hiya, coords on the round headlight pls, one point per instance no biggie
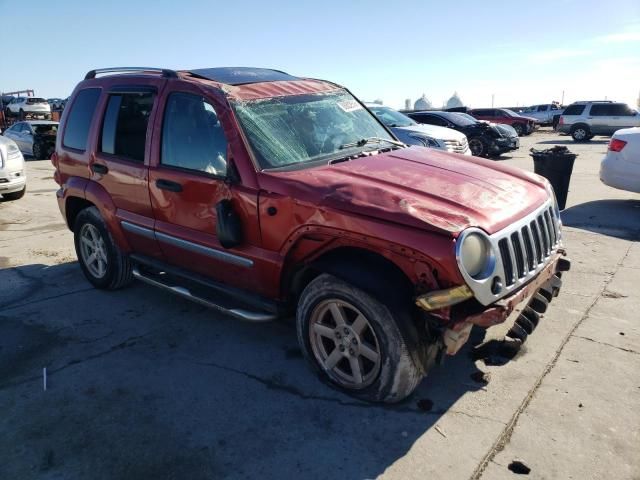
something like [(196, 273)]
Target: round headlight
[(474, 254)]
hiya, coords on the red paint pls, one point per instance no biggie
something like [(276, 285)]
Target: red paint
[(408, 205)]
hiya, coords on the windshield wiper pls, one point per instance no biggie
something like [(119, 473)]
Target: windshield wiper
[(365, 141)]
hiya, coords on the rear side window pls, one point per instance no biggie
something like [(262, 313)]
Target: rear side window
[(76, 131), (621, 110), (601, 110), (124, 129), (574, 110)]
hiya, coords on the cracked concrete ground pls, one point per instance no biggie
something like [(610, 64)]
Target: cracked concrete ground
[(144, 385)]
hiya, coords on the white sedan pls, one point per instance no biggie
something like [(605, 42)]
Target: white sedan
[(620, 167), (13, 177)]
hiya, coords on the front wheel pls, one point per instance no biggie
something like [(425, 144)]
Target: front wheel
[(37, 151), (101, 260), (519, 129), (478, 147), (353, 342)]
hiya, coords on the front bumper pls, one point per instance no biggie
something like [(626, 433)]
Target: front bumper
[(12, 183), (468, 313)]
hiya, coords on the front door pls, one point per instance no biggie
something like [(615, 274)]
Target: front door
[(187, 180)]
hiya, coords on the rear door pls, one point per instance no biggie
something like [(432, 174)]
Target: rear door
[(187, 181), (121, 158), (601, 117)]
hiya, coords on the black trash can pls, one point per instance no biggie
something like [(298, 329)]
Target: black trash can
[(555, 164)]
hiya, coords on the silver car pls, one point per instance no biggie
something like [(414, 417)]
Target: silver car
[(36, 137), (584, 120)]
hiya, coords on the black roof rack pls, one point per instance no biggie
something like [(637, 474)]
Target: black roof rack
[(242, 75), (98, 71)]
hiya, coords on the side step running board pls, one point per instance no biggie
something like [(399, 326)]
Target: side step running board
[(240, 313)]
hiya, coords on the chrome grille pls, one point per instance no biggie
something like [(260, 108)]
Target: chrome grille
[(455, 146), (525, 250)]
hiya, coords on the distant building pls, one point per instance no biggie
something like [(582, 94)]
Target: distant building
[(422, 103), (454, 101), (407, 104), (378, 101)]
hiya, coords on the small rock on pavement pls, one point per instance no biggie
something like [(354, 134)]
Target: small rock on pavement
[(519, 468)]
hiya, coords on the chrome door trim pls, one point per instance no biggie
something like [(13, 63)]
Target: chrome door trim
[(202, 250), (137, 229)]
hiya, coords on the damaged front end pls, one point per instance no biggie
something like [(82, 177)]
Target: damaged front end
[(517, 270)]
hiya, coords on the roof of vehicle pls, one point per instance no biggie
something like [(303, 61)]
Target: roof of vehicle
[(240, 83), (580, 102)]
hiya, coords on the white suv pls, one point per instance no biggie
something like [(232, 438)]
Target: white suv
[(32, 106), (584, 120), (13, 176)]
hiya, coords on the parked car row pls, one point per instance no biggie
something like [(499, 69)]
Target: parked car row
[(545, 114)]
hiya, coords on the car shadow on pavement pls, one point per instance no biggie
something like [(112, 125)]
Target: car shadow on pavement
[(615, 218), (571, 142), (146, 385)]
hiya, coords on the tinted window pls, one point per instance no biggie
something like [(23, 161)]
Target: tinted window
[(543, 108), (574, 110), (484, 112), (621, 110), (124, 129), (433, 120), (192, 136), (601, 110), (77, 128)]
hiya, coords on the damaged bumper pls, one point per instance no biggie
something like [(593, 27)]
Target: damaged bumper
[(536, 294)]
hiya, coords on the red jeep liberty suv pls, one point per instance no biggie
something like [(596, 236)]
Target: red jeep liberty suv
[(261, 194)]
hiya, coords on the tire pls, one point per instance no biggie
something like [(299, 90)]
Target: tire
[(116, 270), (478, 147), (361, 321), (581, 133), (14, 195), (518, 333), (519, 129), (8, 113), (37, 151)]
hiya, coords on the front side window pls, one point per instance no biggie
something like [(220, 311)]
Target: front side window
[(192, 135), (432, 120), (391, 118), (76, 131), (124, 129), (302, 129), (543, 108)]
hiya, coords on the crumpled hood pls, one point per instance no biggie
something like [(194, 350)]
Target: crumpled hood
[(433, 131), (418, 187)]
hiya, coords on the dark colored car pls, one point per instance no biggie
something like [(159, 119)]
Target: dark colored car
[(260, 194), (484, 140), (522, 125)]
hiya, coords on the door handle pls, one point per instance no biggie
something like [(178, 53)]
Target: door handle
[(163, 184), (99, 168)]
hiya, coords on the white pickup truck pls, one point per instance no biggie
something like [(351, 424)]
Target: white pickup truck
[(545, 113)]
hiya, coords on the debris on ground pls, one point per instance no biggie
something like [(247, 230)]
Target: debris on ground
[(519, 468), (425, 404), (612, 294), (481, 377), (440, 431), (579, 405), (621, 333)]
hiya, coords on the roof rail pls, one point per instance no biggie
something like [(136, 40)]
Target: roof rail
[(164, 71)]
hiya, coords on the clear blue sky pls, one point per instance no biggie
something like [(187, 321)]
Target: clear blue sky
[(522, 51)]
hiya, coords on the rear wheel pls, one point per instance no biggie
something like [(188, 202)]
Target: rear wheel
[(581, 133), (101, 260), (353, 342), (14, 195), (478, 147)]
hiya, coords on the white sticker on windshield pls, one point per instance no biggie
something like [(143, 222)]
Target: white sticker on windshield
[(349, 105)]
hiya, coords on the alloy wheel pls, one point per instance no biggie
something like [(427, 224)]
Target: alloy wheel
[(93, 250), (344, 344), (579, 134)]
